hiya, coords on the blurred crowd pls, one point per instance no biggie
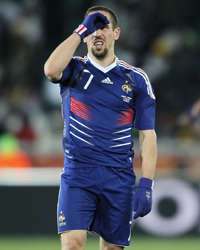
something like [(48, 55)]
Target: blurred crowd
[(161, 37)]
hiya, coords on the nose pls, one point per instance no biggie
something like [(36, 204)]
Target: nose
[(97, 32)]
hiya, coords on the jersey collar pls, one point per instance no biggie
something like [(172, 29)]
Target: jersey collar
[(101, 68)]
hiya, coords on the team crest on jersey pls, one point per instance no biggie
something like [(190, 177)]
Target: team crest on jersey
[(61, 219), (126, 87)]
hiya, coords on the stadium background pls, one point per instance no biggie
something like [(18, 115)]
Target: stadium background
[(162, 37)]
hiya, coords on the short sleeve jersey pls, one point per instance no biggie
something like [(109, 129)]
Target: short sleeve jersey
[(100, 108)]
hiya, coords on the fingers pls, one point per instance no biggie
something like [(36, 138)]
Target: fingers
[(101, 18), (142, 202), (91, 23), (139, 210), (101, 21)]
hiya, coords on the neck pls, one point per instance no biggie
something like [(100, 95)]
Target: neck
[(109, 59)]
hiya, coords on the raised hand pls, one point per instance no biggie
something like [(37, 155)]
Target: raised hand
[(91, 23)]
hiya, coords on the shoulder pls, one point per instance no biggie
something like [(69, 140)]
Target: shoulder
[(76, 63), (138, 73), (140, 78), (80, 59)]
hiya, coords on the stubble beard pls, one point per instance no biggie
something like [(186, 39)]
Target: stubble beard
[(100, 55)]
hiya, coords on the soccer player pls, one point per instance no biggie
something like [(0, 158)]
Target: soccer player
[(102, 98)]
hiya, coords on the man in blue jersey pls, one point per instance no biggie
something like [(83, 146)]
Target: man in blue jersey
[(103, 99)]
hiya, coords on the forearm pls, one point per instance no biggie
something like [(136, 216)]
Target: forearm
[(148, 146), (61, 57)]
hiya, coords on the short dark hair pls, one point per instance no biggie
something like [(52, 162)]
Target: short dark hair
[(114, 18)]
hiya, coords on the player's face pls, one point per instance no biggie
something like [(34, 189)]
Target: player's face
[(101, 43)]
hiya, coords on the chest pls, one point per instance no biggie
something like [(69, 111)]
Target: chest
[(99, 89)]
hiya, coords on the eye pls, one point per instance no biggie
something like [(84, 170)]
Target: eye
[(105, 27)]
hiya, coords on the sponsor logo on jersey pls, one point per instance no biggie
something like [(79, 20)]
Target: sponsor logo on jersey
[(126, 87), (107, 81), (61, 219)]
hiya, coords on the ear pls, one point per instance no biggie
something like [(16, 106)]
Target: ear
[(85, 39), (117, 33)]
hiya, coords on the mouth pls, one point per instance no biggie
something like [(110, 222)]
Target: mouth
[(98, 44)]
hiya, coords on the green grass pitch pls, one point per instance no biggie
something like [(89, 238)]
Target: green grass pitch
[(139, 243)]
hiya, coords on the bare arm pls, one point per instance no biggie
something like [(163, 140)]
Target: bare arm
[(61, 57), (148, 146)]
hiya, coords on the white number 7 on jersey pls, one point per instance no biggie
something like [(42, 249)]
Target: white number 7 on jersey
[(88, 81)]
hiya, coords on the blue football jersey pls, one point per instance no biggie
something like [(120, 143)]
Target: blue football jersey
[(100, 107)]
